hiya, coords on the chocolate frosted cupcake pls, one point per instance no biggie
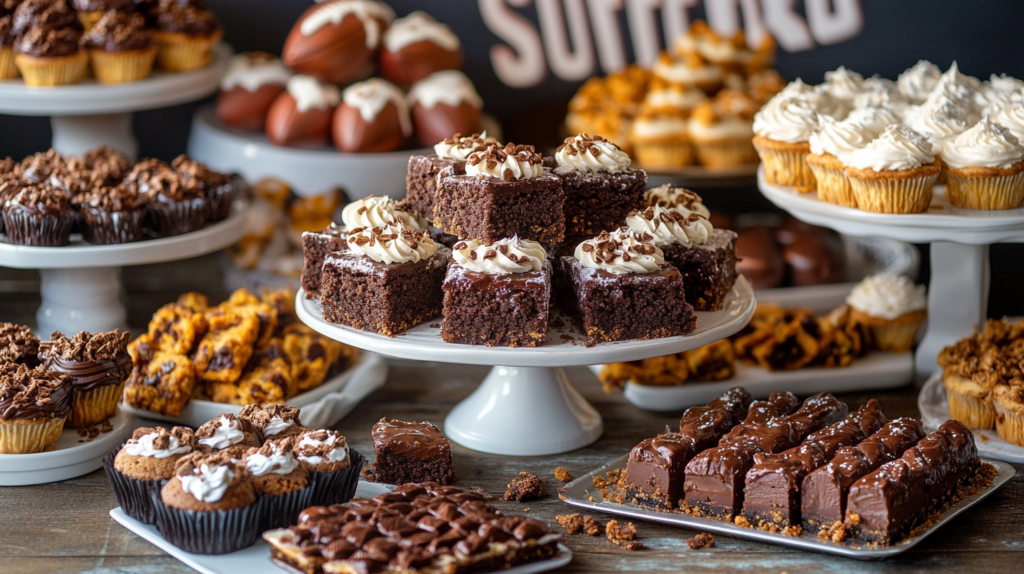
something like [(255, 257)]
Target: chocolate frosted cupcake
[(18, 345), (273, 421), (91, 11), (38, 167), (185, 36), (209, 505), (282, 483), (106, 166), (8, 69), (334, 468), (111, 215), (120, 48), (219, 189), (228, 433), (174, 206), (46, 50), (97, 366), (38, 215), (143, 465), (33, 406)]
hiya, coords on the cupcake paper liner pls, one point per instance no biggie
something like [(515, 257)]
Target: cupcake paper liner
[(88, 18), (8, 69), (336, 487), (91, 407), (663, 154), (976, 414), (999, 192), (55, 71), (833, 185), (910, 195), (27, 437), (134, 496), (48, 231), (1009, 425), (112, 227), (218, 201), (182, 53), (898, 338), (725, 153), (212, 532), (122, 67), (177, 218), (283, 510), (787, 167)]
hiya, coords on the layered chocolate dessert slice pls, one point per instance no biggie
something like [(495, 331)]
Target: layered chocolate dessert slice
[(411, 452), (771, 497)]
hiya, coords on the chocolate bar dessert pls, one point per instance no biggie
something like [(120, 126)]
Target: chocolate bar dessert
[(411, 452)]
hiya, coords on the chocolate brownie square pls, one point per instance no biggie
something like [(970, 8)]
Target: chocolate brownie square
[(599, 201), (421, 182), (411, 452), (384, 298), (709, 270), (496, 310), (315, 247)]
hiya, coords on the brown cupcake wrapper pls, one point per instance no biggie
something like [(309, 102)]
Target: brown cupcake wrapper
[(112, 227), (211, 532), (336, 487), (282, 511), (177, 218), (218, 201), (46, 231), (134, 496)]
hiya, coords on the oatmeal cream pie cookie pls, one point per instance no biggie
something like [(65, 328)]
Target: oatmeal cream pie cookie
[(97, 365), (273, 421), (143, 465), (228, 432), (33, 406), (333, 467), (281, 482)]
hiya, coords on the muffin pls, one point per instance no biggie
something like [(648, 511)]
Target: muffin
[(969, 400), (90, 12), (38, 215), (33, 406), (106, 166), (273, 421), (185, 36), (984, 168), (228, 432), (782, 130), (721, 129), (659, 139), (111, 215), (1009, 408), (830, 146), (18, 345), (333, 467), (209, 506), (97, 366), (895, 173), (47, 54), (174, 206), (218, 189), (667, 96), (143, 465), (892, 306), (281, 482), (8, 69), (120, 48)]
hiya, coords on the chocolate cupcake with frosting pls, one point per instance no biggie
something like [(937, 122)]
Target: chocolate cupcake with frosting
[(282, 483), (185, 35), (91, 11), (46, 49), (18, 345), (333, 467), (273, 421), (219, 189), (143, 465), (174, 206), (33, 406), (111, 215), (38, 215), (228, 433), (8, 69), (97, 366), (120, 48), (106, 166)]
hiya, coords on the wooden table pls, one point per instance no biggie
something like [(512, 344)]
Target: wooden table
[(65, 527)]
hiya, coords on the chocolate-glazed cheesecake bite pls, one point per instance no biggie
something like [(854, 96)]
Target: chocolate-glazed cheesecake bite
[(411, 452), (421, 180), (97, 366)]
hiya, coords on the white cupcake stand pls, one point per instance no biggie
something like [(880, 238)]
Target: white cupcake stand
[(81, 283), (959, 238), (526, 406)]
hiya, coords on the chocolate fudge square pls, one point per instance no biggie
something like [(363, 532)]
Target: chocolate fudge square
[(631, 306), (489, 209), (496, 310), (421, 182), (599, 201), (709, 270), (315, 247), (411, 452), (361, 293)]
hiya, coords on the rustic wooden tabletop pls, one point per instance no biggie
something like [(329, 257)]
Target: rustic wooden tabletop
[(64, 527)]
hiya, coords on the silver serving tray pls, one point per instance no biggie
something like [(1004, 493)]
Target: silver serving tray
[(579, 491)]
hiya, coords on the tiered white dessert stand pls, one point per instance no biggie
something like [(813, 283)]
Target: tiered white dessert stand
[(81, 283), (526, 406), (959, 238)]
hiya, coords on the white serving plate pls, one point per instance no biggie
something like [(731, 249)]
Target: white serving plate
[(321, 407), (935, 411), (256, 558), (875, 371), (70, 458)]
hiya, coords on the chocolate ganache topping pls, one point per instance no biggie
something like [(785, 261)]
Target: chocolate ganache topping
[(50, 14), (17, 344), (173, 17), (118, 32), (91, 361), (33, 394), (39, 199), (156, 179), (45, 42), (416, 441)]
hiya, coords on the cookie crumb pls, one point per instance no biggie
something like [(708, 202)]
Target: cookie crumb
[(563, 474), (702, 540), (524, 487), (623, 534), (591, 526), (572, 523)]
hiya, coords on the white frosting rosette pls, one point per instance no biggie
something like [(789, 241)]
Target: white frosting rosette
[(592, 153), (791, 119), (887, 296), (987, 144), (503, 257), (391, 244), (898, 148), (379, 211), (670, 226), (620, 252)]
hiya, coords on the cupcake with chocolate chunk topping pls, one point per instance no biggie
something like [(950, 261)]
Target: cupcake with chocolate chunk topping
[(18, 345), (273, 421), (174, 206), (91, 11), (33, 406), (106, 166), (143, 465), (97, 365), (229, 433), (333, 467), (47, 50), (120, 48), (219, 189), (111, 215), (185, 36), (8, 69), (38, 215), (280, 481)]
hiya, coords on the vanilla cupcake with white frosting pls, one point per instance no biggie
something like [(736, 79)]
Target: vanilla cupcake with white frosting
[(843, 84), (916, 82), (691, 71), (782, 132), (894, 173), (831, 147), (873, 119), (819, 100), (660, 137), (892, 306), (941, 122), (1011, 117), (721, 129), (985, 167)]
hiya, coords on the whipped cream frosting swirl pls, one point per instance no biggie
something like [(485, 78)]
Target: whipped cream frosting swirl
[(789, 120), (898, 148), (511, 163), (592, 153), (503, 257), (668, 195), (916, 82), (670, 226), (941, 123), (279, 462), (459, 147), (144, 447), (1012, 118), (276, 426), (210, 484), (843, 84), (620, 252), (839, 138), (391, 244), (226, 434), (987, 144), (887, 296), (379, 211), (873, 119), (334, 455)]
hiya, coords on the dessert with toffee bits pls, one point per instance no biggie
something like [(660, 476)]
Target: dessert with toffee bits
[(333, 467), (143, 465), (97, 366), (497, 294), (619, 287), (411, 452), (273, 421), (504, 192), (18, 345), (421, 181), (34, 404)]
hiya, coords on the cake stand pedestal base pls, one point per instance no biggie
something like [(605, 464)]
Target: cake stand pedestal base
[(524, 411), (75, 135), (86, 299)]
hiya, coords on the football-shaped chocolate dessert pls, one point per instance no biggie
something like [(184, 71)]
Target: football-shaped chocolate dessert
[(337, 40), (417, 46), (443, 104), (252, 83), (301, 116), (372, 118)]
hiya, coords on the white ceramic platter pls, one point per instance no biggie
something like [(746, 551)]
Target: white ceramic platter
[(73, 456), (321, 407), (875, 371), (935, 411), (256, 558)]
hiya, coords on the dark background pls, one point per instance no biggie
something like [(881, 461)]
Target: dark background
[(984, 37)]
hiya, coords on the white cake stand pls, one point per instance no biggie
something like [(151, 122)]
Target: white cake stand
[(959, 238), (81, 283), (526, 406), (89, 114)]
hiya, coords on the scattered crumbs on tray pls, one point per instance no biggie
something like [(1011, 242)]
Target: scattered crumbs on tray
[(92, 431), (572, 523), (983, 438), (611, 488), (591, 526), (558, 324), (702, 540), (623, 534), (562, 474)]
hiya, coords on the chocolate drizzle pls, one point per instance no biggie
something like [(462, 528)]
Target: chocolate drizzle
[(33, 394), (90, 361)]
